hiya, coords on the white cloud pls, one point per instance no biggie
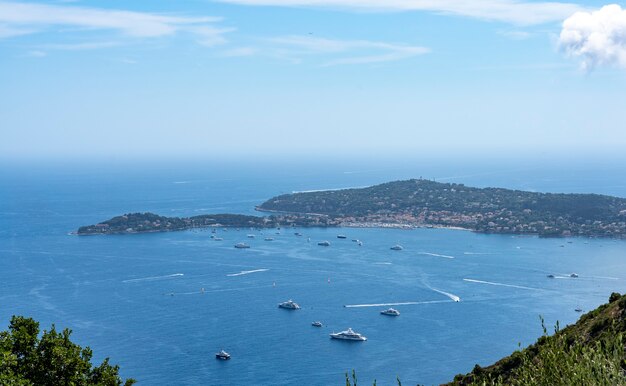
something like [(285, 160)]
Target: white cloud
[(597, 38), (32, 17), (344, 51), (508, 11)]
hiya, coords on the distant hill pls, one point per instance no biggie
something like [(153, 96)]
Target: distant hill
[(590, 352), (421, 202)]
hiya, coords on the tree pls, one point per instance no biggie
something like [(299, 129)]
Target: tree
[(53, 359)]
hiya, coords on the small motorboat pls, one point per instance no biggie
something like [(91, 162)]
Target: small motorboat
[(324, 243), (316, 324), (550, 276), (241, 246), (397, 247), (223, 355), (574, 275)]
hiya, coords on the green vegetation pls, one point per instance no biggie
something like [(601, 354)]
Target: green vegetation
[(150, 222), (590, 352), (52, 360), (492, 210)]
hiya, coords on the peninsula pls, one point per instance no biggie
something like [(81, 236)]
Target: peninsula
[(419, 202), (410, 203)]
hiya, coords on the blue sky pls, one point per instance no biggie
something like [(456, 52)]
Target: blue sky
[(294, 77)]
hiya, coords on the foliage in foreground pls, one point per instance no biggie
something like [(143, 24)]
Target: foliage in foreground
[(563, 362), (27, 360), (590, 352)]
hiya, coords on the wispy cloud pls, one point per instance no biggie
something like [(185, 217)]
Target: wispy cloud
[(24, 18), (508, 11), (597, 38), (340, 52)]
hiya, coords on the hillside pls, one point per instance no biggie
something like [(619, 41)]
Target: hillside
[(421, 202), (590, 352)]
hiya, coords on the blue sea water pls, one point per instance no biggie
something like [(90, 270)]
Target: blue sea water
[(138, 299)]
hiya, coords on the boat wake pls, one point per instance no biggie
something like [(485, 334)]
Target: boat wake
[(501, 284), (395, 304), (152, 278), (436, 255), (453, 297), (247, 272)]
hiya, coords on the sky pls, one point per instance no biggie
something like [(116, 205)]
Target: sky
[(112, 79)]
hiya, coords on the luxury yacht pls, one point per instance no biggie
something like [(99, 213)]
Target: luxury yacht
[(223, 355), (573, 275), (316, 324), (391, 312), (242, 245), (397, 247), (342, 237), (289, 304), (348, 335), (324, 243)]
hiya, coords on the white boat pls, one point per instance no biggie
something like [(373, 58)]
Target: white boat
[(242, 245), (289, 305), (391, 312), (397, 247), (316, 324), (573, 275), (251, 236), (348, 335), (324, 243), (269, 239), (223, 355)]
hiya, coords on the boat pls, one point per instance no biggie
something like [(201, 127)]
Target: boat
[(578, 309), (269, 239), (251, 236), (218, 239), (391, 312), (324, 243), (289, 305), (397, 247), (348, 335), (242, 246), (573, 275), (551, 276), (355, 240), (223, 355), (342, 237), (298, 234), (316, 324), (359, 243)]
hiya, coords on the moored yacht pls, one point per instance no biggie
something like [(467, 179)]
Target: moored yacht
[(269, 239), (316, 324), (391, 312), (348, 335), (223, 355), (342, 237), (324, 243), (242, 245), (397, 247), (289, 305)]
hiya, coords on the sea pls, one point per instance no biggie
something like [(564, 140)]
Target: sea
[(161, 305)]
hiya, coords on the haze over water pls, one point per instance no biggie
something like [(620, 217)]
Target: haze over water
[(138, 298)]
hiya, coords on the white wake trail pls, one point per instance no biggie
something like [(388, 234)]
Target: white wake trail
[(247, 272), (394, 304), (436, 255), (151, 278), (451, 296), (501, 284)]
